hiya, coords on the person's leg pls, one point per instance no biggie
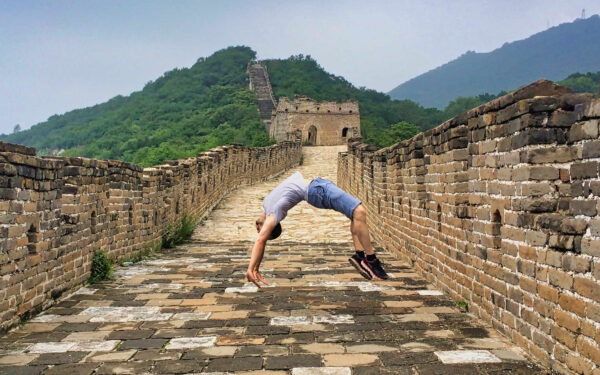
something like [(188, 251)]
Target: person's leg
[(357, 245), (360, 230)]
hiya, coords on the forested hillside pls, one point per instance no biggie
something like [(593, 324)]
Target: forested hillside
[(552, 54), (179, 114)]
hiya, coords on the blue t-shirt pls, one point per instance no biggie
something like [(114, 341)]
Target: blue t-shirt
[(285, 196)]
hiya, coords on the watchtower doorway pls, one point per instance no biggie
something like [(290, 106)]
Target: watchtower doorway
[(312, 135)]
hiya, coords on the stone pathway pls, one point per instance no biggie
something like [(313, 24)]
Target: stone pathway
[(190, 311)]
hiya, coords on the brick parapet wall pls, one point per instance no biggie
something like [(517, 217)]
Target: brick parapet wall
[(499, 207), (54, 212)]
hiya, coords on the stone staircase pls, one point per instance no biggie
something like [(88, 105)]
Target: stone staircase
[(260, 85)]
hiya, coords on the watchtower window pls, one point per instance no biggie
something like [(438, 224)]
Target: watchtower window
[(286, 109), (318, 108), (130, 215), (340, 108), (350, 111), (307, 111), (329, 111), (296, 108), (344, 132)]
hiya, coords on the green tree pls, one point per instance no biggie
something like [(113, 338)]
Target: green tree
[(398, 132), (16, 129)]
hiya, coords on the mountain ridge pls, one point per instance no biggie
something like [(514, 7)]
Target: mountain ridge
[(552, 54)]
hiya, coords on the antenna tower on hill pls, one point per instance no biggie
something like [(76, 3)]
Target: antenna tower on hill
[(583, 14)]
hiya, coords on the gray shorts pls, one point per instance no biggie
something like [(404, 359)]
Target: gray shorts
[(323, 193)]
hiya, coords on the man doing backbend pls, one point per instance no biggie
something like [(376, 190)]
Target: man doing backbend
[(320, 193)]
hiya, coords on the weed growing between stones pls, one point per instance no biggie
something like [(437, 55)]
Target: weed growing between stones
[(179, 232), (301, 161), (102, 267), (147, 252), (463, 306)]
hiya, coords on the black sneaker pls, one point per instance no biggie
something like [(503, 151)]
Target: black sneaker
[(356, 260), (374, 269)]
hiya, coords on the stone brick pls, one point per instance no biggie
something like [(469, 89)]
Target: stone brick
[(549, 293), (566, 320), (575, 263), (235, 364), (564, 336), (590, 246), (589, 349), (572, 303), (587, 288), (584, 130), (551, 155), (291, 361), (560, 279), (584, 170), (591, 150), (583, 207)]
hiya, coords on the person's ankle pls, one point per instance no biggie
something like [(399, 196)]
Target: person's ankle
[(360, 253), (371, 257)]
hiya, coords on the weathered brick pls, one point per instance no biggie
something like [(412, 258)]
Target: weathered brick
[(548, 292), (564, 336), (587, 287), (575, 263), (590, 246), (588, 349), (584, 170), (543, 173), (584, 130), (566, 320), (583, 207), (591, 149), (572, 303)]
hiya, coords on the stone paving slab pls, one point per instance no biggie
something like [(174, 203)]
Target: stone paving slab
[(192, 312)]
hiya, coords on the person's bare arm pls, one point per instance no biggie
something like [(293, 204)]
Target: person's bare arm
[(258, 251)]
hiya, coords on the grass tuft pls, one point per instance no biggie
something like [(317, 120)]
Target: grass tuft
[(462, 305), (148, 252), (180, 232), (102, 267)]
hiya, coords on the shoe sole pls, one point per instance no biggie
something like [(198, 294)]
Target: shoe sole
[(359, 268), (373, 276)]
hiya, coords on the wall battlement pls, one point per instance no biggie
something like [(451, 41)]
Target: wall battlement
[(54, 212), (304, 104), (499, 207)]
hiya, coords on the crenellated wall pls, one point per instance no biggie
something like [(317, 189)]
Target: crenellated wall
[(499, 207), (54, 212)]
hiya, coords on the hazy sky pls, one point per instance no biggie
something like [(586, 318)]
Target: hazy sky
[(56, 56)]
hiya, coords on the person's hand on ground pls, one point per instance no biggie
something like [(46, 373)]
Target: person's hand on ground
[(255, 276)]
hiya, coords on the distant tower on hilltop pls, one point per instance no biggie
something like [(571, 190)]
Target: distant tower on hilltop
[(317, 123), (583, 14)]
